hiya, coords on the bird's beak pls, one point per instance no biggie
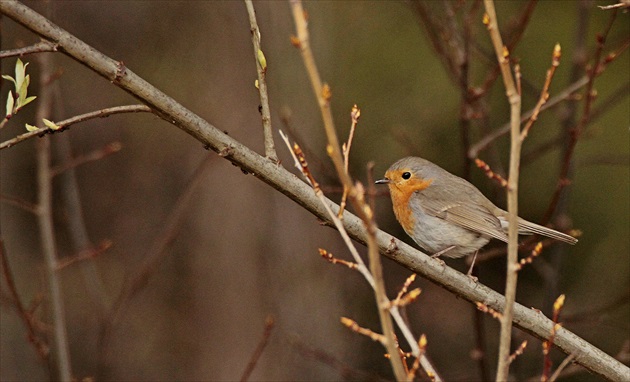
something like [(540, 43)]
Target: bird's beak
[(383, 181)]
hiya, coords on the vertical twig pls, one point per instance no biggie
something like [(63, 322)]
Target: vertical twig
[(40, 346), (323, 95), (514, 99), (559, 203), (261, 68), (322, 91), (76, 228), (355, 114), (46, 229)]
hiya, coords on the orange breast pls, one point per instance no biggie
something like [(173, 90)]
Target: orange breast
[(401, 195)]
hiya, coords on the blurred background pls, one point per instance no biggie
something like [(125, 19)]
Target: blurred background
[(202, 254)]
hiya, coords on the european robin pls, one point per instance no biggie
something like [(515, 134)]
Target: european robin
[(445, 214)]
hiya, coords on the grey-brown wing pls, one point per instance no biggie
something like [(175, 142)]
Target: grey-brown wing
[(473, 217)]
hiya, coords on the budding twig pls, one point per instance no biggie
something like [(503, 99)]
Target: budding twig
[(489, 173)]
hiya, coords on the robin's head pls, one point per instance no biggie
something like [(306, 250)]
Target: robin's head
[(408, 175)]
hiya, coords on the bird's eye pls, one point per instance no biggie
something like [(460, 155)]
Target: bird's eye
[(406, 175)]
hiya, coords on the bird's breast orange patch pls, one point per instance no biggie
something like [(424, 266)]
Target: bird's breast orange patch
[(401, 194)]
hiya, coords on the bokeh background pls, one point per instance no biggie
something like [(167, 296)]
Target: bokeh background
[(241, 251)]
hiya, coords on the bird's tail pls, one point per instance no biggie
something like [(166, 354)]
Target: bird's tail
[(525, 227)]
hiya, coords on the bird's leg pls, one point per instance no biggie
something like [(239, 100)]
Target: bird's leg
[(440, 253), (472, 265)]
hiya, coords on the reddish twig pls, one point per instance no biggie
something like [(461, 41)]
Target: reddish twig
[(557, 307), (529, 259), (355, 327), (518, 351), (491, 174), (19, 203), (544, 94), (486, 309), (269, 324), (95, 155), (85, 255), (575, 131), (41, 347), (329, 256)]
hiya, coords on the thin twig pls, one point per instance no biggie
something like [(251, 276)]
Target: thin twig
[(87, 254), (261, 69), (92, 156), (483, 143), (27, 318), (66, 123), (19, 203), (264, 340), (514, 37), (355, 114), (544, 94), (573, 132), (322, 91), (42, 46), (557, 307), (621, 4), (561, 367)]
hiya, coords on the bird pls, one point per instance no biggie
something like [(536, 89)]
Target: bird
[(447, 215)]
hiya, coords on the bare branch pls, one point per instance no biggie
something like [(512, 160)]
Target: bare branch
[(66, 123), (42, 46), (47, 230), (261, 68), (41, 346), (514, 98)]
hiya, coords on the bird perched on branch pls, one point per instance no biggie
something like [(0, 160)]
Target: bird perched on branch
[(445, 214)]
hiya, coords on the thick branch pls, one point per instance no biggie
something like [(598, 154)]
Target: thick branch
[(287, 183)]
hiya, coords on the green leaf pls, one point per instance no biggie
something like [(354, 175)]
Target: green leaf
[(8, 78), (51, 124), (10, 103), (262, 60), (20, 71), (28, 100), (22, 92), (31, 127)]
